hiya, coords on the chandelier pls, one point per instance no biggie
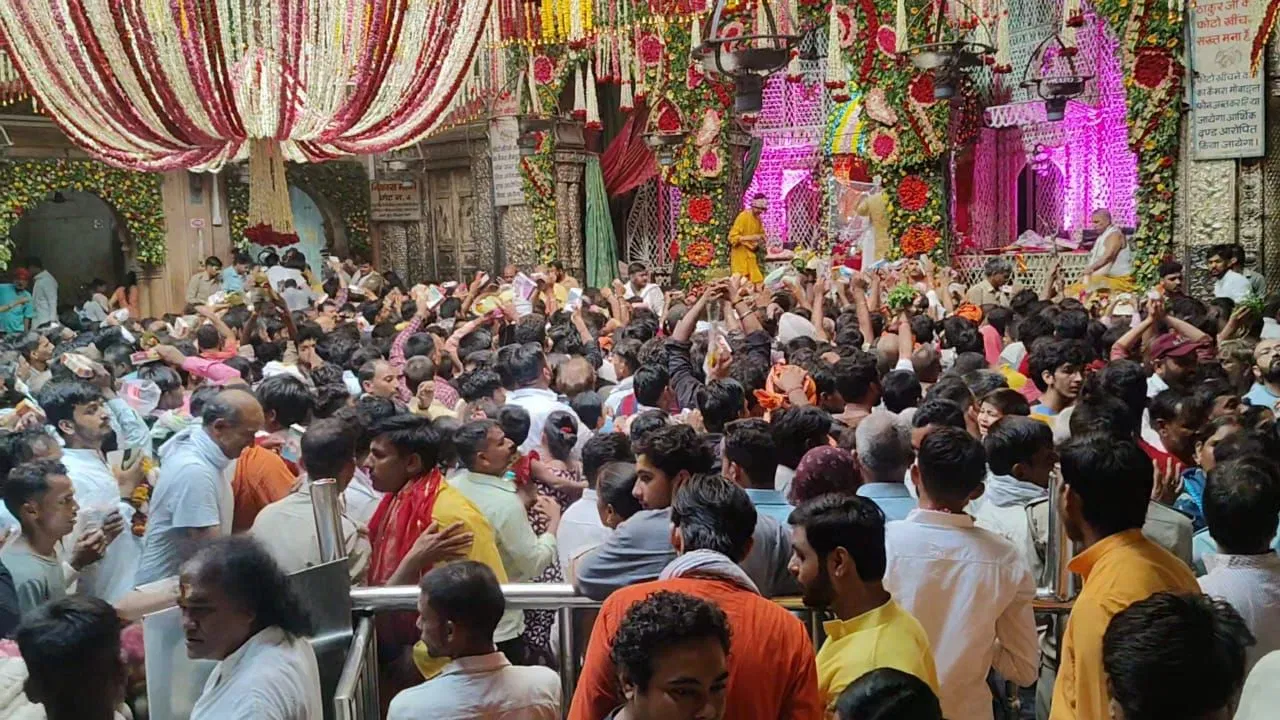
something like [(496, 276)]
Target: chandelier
[(1055, 75), (954, 47), (748, 59)]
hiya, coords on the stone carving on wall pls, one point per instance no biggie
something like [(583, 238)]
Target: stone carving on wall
[(482, 230), (569, 171), (516, 226), (395, 248)]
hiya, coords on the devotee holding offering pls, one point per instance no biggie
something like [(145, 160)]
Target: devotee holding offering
[(838, 556), (712, 524), (1106, 487), (745, 237), (206, 282), (459, 610)]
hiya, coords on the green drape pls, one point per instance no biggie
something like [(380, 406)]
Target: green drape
[(602, 247)]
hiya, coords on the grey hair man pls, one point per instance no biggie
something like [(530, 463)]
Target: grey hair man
[(884, 456), (998, 272)]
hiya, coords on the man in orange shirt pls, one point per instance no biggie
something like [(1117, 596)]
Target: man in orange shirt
[(1106, 487), (267, 470), (772, 672)]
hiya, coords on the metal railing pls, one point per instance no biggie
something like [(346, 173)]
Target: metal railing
[(357, 694)]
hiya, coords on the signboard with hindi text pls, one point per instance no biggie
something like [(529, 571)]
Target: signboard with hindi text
[(504, 153), (1227, 97), (395, 201)]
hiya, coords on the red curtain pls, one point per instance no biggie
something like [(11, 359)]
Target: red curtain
[(628, 163)]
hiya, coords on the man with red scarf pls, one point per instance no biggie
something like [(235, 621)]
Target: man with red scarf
[(422, 521)]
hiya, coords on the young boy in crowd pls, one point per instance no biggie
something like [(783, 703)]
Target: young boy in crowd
[(1014, 504)]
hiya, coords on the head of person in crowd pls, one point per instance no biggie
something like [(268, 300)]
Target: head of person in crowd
[(479, 385), (574, 377), (1057, 369), (232, 419), (749, 457), (212, 266), (1236, 358), (884, 449), (935, 413), (483, 448), (40, 495), (22, 446), (379, 378), (950, 469), (526, 366), (638, 275), (901, 390), (1208, 437), (589, 407), (858, 380), (1177, 416), (999, 403), (74, 664), (602, 449), (231, 590), (1241, 505), (286, 401), (1153, 642), (671, 653), (615, 501), (625, 357), (888, 694), (1170, 273), (721, 402), (77, 411), (168, 382), (459, 607), (652, 387), (329, 451), (997, 270), (1174, 359), (404, 447), (1021, 448), (646, 422), (710, 513), (560, 435), (1219, 396), (665, 458), (957, 391), (1106, 486), (837, 551), (824, 470), (797, 430)]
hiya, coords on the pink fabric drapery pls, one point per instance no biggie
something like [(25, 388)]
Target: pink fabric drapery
[(188, 83), (628, 163)]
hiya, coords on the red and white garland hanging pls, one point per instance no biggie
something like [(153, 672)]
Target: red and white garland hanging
[(191, 83)]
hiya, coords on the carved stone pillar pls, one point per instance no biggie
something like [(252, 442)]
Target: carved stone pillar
[(483, 233), (570, 166), (1269, 252), (516, 226)]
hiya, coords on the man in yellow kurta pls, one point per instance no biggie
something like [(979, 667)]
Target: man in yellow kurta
[(744, 237)]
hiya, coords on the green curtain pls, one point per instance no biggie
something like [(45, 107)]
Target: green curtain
[(602, 247), (749, 165)]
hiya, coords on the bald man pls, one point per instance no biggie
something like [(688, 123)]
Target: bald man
[(574, 376), (193, 500), (1110, 262)]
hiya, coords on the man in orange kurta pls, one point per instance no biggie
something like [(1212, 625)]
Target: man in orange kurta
[(772, 668)]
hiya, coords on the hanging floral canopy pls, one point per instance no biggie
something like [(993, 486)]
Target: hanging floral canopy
[(194, 83)]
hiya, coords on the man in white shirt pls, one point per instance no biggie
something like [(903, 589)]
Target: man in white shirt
[(1227, 283), (638, 285), (580, 528), (77, 411), (44, 294), (460, 605), (193, 502), (528, 369), (1242, 507), (287, 527), (968, 587), (486, 453)]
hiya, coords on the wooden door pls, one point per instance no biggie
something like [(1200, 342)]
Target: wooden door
[(452, 244)]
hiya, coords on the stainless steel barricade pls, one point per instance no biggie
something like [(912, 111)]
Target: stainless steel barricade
[(356, 697)]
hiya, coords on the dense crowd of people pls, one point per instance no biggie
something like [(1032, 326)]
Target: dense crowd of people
[(885, 445)]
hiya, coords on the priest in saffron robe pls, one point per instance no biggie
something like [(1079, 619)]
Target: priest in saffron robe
[(744, 239)]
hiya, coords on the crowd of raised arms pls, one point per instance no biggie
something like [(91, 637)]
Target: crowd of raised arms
[(885, 445)]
